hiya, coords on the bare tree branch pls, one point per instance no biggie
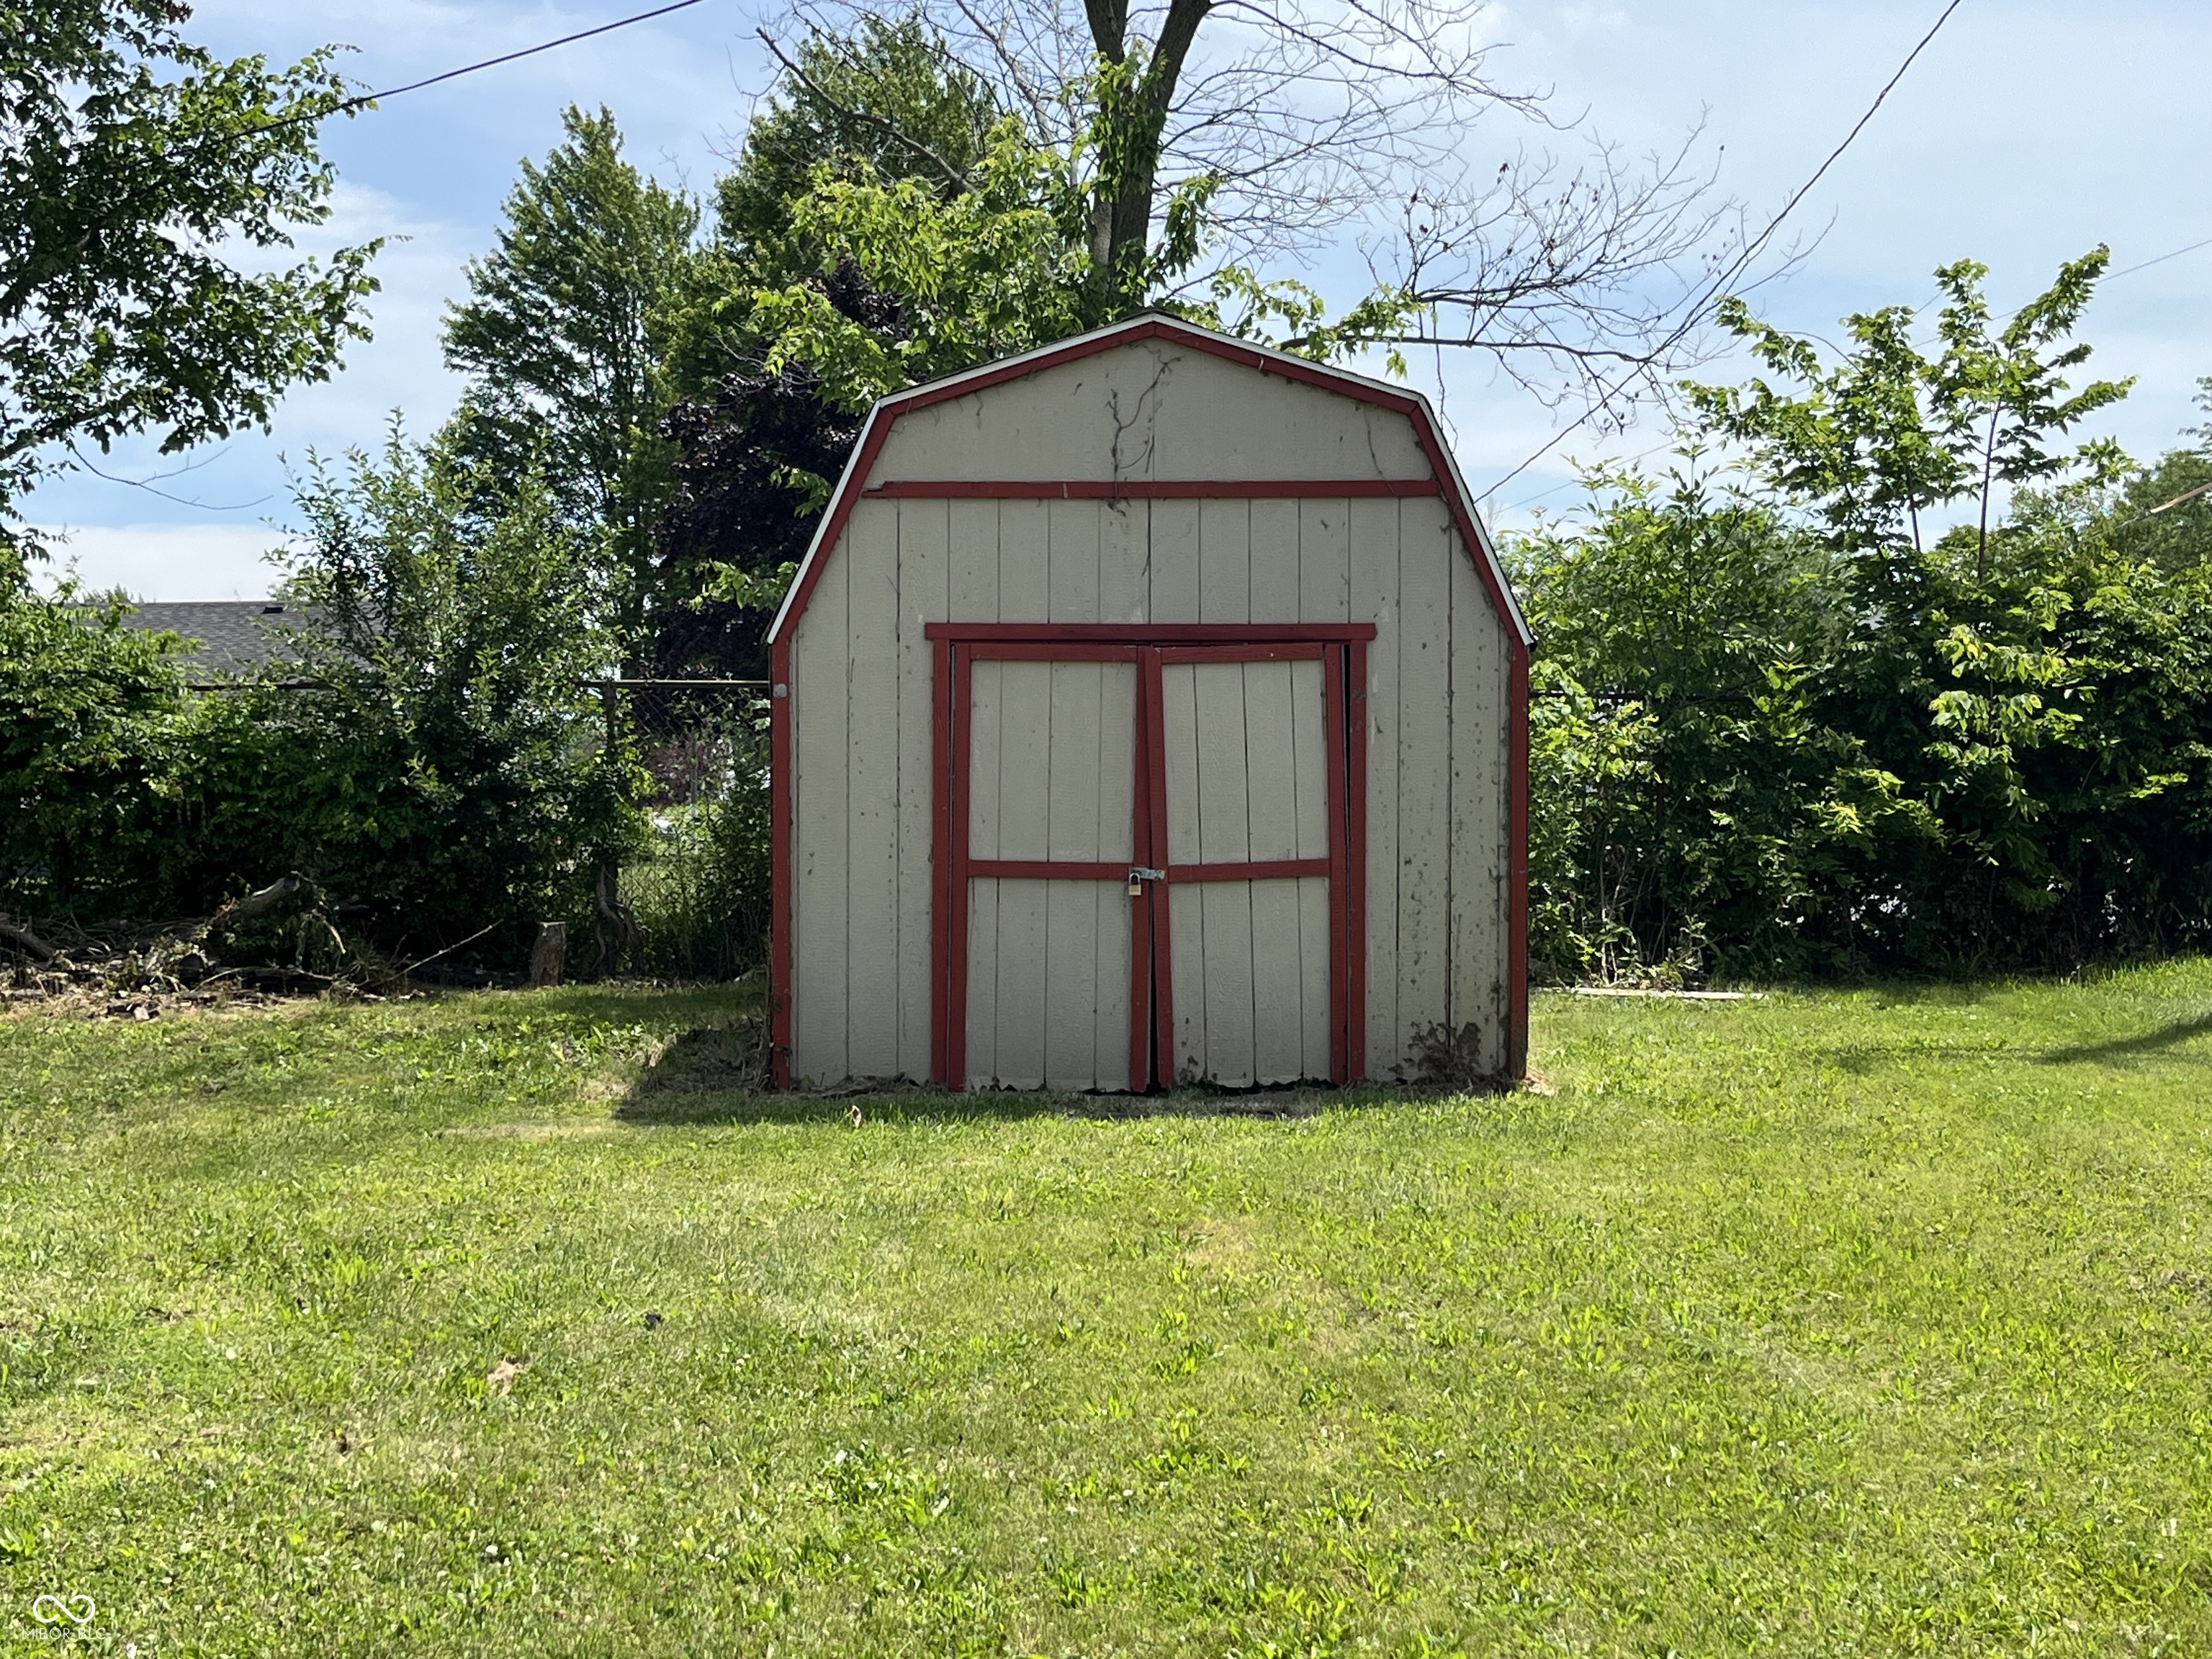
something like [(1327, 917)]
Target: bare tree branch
[(1309, 121), (891, 130)]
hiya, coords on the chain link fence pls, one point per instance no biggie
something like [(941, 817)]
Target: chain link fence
[(691, 903)]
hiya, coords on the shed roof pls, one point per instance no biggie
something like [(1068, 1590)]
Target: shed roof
[(1150, 326)]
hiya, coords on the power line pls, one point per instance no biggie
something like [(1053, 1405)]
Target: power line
[(2128, 271), (2160, 260), (1749, 251), (367, 98)]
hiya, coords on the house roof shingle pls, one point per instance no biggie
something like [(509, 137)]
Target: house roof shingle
[(232, 636)]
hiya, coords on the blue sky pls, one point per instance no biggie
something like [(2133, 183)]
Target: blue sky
[(2026, 134)]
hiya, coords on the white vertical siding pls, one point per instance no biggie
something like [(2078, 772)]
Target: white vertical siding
[(1373, 558), (1480, 849), (822, 769), (1325, 559), (973, 527), (1024, 561), (1152, 411), (1225, 561), (1248, 781), (872, 801), (1124, 535), (1424, 769), (925, 577), (861, 708), (1172, 566), (1274, 585)]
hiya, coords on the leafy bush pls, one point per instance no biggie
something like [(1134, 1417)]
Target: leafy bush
[(699, 881), (450, 775), (94, 728), (443, 775), (1775, 735)]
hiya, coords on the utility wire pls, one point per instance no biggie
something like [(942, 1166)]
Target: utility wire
[(1749, 251), (367, 98), (2160, 260), (2110, 275)]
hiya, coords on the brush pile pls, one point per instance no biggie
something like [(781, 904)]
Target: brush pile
[(276, 938)]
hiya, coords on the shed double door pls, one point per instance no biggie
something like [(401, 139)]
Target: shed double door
[(1143, 864)]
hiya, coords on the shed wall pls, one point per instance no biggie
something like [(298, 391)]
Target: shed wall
[(861, 697), (1152, 411)]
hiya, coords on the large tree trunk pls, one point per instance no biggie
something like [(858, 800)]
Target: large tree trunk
[(1135, 115)]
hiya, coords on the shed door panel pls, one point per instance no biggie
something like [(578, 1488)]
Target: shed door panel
[(1247, 783), (1051, 781)]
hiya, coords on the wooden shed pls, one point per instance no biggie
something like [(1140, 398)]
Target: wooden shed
[(1149, 708)]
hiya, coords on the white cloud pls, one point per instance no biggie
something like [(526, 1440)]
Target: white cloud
[(171, 561)]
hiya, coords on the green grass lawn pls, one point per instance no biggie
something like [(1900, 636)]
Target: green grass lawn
[(1859, 1323)]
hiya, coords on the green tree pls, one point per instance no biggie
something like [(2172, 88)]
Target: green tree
[(133, 165), (1945, 674), (1791, 727), (1695, 811), (441, 772), (1888, 433), (2165, 510), (450, 775), (889, 102), (886, 222), (92, 727), (1196, 142), (565, 338)]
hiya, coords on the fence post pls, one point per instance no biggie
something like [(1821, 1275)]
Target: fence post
[(551, 952)]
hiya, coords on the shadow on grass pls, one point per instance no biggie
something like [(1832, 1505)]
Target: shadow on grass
[(1865, 1058), (2148, 1042), (716, 1075), (617, 1002)]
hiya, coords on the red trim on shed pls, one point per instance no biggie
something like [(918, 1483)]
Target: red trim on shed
[(1162, 633), (1341, 802), (1153, 703), (1256, 870), (779, 842), (1043, 649), (953, 1000), (1355, 857), (1145, 489), (1258, 650), (1048, 870), (1141, 1034), (1517, 913)]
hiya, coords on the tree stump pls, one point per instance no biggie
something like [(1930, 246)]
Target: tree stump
[(547, 955)]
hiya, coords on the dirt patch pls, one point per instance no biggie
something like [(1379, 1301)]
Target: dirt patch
[(587, 1127), (706, 1059), (93, 1002), (1229, 1245)]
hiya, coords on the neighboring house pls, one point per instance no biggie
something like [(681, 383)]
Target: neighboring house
[(232, 637)]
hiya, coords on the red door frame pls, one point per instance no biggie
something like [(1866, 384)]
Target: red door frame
[(1341, 647)]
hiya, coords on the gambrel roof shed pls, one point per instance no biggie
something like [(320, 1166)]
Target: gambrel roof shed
[(1150, 708)]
